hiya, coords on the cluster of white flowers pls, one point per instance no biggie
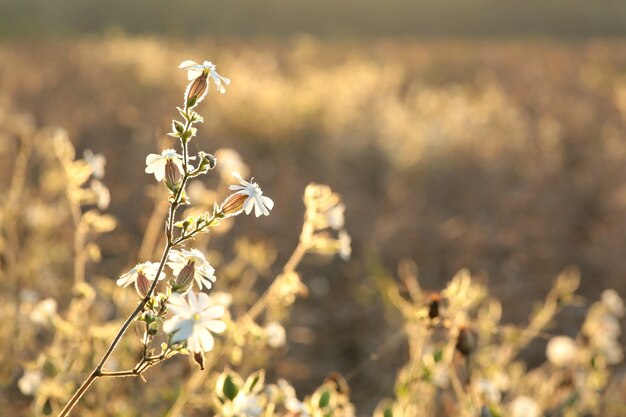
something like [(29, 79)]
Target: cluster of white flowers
[(194, 315)]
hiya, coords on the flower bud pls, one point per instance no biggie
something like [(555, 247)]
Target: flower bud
[(184, 278), (207, 161), (434, 306), (172, 175), (233, 204), (199, 358), (467, 341), (196, 90), (142, 284)]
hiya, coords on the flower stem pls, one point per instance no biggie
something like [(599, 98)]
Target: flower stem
[(169, 231)]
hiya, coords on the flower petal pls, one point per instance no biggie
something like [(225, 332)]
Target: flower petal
[(192, 74), (216, 326), (268, 202), (188, 63)]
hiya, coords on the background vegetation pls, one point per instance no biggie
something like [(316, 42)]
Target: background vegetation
[(505, 156)]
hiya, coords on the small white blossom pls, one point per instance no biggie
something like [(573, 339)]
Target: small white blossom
[(29, 382), (561, 351), (247, 405), (345, 248), (488, 391), (275, 333), (103, 196), (291, 402), (524, 406), (194, 70), (43, 311), (256, 199), (147, 269), (203, 272), (335, 216), (155, 163), (96, 162), (614, 302), (194, 319)]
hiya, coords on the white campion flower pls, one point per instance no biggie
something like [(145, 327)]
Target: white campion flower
[(276, 336), (43, 311), (155, 163), (254, 198), (247, 405), (488, 391), (335, 216), (203, 272), (614, 302), (345, 245), (291, 402), (561, 351), (29, 383), (141, 275), (195, 70), (96, 162), (193, 321), (524, 406), (103, 195)]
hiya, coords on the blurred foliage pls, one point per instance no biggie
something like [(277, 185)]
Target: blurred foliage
[(504, 157), (359, 18)]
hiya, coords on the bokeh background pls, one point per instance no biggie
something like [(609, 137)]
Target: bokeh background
[(485, 134)]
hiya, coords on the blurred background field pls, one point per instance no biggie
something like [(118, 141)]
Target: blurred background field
[(455, 142)]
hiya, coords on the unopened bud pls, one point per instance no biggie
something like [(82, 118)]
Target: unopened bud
[(142, 284), (199, 358), (233, 204), (184, 278), (196, 91), (207, 161), (434, 306), (467, 341), (172, 175)]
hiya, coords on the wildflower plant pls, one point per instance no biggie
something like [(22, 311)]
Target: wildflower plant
[(175, 311), (193, 316)]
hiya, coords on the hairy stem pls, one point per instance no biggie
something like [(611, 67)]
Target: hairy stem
[(98, 370)]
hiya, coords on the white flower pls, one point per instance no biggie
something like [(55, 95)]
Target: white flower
[(194, 70), (524, 406), (147, 269), (256, 199), (345, 249), (275, 333), (155, 163), (29, 382), (194, 319), (561, 351), (43, 311), (335, 216), (103, 196), (247, 405), (96, 162), (203, 272), (488, 391), (291, 402), (614, 302)]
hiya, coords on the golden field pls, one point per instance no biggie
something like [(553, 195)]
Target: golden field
[(507, 158)]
